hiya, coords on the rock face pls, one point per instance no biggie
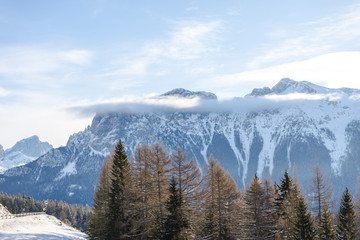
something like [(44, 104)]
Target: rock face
[(180, 92), (23, 152), (265, 141), (1, 151)]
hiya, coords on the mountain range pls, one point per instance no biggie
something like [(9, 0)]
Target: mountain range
[(293, 125)]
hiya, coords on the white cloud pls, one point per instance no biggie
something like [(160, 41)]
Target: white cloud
[(51, 124), (79, 57), (133, 104), (332, 33), (333, 70), (191, 40), (30, 60)]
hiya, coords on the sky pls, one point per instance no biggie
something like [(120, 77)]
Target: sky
[(59, 55)]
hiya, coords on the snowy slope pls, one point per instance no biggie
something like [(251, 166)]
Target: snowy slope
[(23, 152), (37, 227), (263, 133), (3, 211)]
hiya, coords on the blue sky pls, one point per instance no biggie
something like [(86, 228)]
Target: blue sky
[(59, 54)]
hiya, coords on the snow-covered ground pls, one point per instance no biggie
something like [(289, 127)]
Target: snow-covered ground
[(37, 227)]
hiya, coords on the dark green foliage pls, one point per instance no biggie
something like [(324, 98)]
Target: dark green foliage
[(326, 228), (176, 223), (346, 228), (284, 189), (119, 221), (286, 199), (303, 228), (98, 221), (259, 212)]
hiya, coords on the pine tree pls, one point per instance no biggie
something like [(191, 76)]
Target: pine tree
[(285, 203), (346, 228), (303, 228), (326, 227), (176, 224), (98, 221), (119, 218), (270, 214), (259, 211)]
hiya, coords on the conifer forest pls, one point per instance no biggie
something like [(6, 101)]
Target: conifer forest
[(155, 194)]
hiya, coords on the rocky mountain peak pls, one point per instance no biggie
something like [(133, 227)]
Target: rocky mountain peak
[(181, 92), (31, 147), (283, 85), (288, 86), (1, 151)]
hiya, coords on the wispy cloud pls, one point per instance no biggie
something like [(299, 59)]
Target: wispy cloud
[(32, 60), (170, 104), (40, 68), (313, 38), (189, 41)]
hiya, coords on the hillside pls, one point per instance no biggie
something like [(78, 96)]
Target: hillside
[(37, 227)]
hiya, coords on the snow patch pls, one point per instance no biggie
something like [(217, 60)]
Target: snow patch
[(68, 170)]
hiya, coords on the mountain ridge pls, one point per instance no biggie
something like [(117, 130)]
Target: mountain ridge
[(265, 142), (288, 86)]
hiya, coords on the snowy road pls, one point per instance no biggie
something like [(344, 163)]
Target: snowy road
[(37, 227)]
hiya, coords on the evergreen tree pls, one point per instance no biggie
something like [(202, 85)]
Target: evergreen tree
[(326, 227), (119, 225), (270, 214), (98, 221), (346, 228), (303, 228), (259, 211), (285, 202), (176, 224)]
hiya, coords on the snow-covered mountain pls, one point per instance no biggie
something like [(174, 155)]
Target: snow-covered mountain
[(23, 152), (292, 124)]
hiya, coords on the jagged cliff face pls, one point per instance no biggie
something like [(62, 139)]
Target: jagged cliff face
[(23, 152), (266, 141), (1, 151)]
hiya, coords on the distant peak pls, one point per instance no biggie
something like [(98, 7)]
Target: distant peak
[(287, 86), (283, 84), (31, 146), (190, 94)]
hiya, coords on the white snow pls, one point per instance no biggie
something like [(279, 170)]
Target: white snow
[(14, 159), (37, 227), (69, 169)]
